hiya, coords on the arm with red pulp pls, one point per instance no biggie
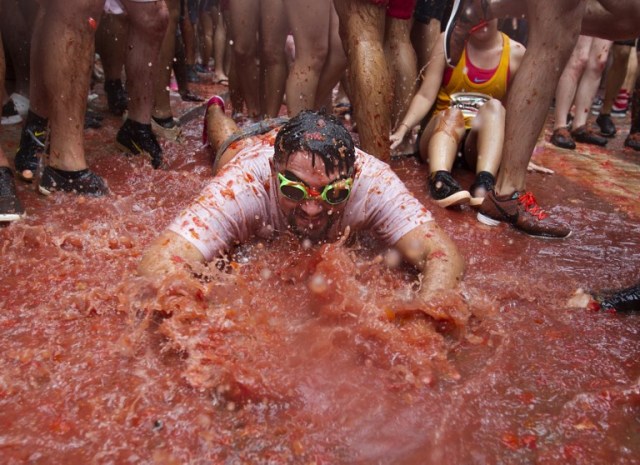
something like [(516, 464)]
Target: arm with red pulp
[(166, 254), (430, 250)]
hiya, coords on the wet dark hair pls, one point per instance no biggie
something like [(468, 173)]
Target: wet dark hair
[(320, 134)]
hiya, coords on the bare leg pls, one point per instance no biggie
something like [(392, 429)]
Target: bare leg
[(4, 163), (590, 80), (17, 24), (206, 31), (335, 65), (111, 44), (162, 107), (244, 20), (273, 37), (568, 83), (632, 71), (309, 20), (615, 76), (362, 32), (424, 38), (149, 23), (220, 49), (402, 62), (554, 28), (440, 140), (485, 141), (188, 36), (61, 60)]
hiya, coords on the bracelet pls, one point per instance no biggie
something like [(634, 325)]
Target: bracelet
[(405, 125)]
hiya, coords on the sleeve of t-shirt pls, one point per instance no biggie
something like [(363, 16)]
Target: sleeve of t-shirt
[(229, 209), (382, 203)]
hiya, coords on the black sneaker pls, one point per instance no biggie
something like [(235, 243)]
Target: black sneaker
[(137, 138), (116, 96), (192, 76), (32, 142), (606, 125), (633, 141), (79, 182), (10, 114), (484, 183), (446, 191), (586, 135), (562, 138), (10, 207)]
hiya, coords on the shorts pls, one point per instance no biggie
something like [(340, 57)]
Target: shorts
[(400, 9), (426, 10), (630, 43), (114, 7)]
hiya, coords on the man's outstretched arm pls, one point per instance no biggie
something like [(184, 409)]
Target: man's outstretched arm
[(430, 250), (167, 254)]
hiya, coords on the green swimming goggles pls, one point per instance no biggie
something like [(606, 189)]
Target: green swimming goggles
[(334, 193)]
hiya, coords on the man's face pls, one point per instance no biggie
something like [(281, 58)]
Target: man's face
[(310, 217)]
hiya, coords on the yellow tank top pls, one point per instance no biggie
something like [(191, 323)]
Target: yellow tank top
[(495, 87)]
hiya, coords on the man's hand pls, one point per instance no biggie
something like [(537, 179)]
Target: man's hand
[(166, 254), (430, 250)]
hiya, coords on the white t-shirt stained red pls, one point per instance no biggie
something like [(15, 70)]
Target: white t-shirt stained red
[(241, 202)]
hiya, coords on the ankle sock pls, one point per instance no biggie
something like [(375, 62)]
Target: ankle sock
[(36, 120), (138, 126), (167, 122), (69, 175)]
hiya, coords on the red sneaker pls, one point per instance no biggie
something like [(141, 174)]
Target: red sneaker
[(522, 211)]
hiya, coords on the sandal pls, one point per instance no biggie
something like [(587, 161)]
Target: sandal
[(188, 96), (446, 191)]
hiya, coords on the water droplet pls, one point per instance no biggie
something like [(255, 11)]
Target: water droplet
[(318, 284)]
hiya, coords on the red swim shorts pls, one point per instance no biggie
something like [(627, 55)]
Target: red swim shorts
[(400, 9)]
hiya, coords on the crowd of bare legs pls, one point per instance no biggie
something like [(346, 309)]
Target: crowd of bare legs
[(284, 56)]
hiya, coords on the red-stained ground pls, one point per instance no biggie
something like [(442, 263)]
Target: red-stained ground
[(297, 355)]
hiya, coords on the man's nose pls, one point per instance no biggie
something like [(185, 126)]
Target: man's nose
[(312, 207)]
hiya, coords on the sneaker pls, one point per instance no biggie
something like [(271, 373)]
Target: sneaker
[(10, 207), (137, 139), (596, 105), (188, 96), (633, 141), (167, 128), (79, 182), (32, 143), (192, 76), (561, 137), (116, 96), (200, 68), (619, 112), (446, 191), (466, 16), (522, 211), (621, 104), (484, 183), (10, 114), (586, 135), (605, 123), (21, 103)]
